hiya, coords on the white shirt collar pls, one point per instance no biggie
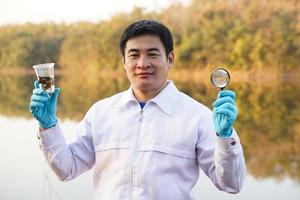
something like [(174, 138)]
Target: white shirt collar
[(165, 99)]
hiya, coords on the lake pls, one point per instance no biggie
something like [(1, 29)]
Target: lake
[(268, 125)]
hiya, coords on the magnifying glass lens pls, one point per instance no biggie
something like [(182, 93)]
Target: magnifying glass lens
[(220, 78)]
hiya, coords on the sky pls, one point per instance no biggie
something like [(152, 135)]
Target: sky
[(67, 11)]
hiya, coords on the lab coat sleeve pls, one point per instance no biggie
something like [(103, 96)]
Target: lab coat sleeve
[(68, 160), (220, 158)]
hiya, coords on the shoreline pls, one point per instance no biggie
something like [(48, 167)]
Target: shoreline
[(184, 75)]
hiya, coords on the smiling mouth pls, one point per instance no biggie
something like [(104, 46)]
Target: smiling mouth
[(144, 74)]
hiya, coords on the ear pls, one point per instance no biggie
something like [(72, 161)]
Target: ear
[(123, 62), (171, 58)]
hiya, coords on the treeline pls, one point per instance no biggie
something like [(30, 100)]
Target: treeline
[(244, 34)]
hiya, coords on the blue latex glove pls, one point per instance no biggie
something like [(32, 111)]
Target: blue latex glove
[(224, 113), (43, 106)]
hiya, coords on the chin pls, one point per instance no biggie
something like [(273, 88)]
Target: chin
[(145, 86)]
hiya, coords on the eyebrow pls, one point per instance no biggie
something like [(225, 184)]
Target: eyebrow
[(148, 50), (133, 51), (153, 49)]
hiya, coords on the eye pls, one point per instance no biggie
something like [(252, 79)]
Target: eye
[(153, 55), (133, 56)]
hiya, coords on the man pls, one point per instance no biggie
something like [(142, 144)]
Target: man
[(147, 142)]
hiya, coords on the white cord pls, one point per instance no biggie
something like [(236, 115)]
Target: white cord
[(49, 186)]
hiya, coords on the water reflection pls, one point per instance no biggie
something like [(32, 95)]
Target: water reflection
[(268, 122), (24, 161)]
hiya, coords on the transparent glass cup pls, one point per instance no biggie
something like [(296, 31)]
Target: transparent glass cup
[(45, 75)]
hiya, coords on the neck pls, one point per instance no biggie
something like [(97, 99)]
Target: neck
[(146, 95)]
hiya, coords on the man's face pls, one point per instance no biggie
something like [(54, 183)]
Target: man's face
[(146, 63)]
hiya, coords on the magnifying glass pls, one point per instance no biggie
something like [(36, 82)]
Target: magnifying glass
[(220, 78)]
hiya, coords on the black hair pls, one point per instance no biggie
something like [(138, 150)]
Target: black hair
[(147, 27)]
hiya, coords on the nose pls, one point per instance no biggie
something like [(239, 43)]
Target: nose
[(143, 62)]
